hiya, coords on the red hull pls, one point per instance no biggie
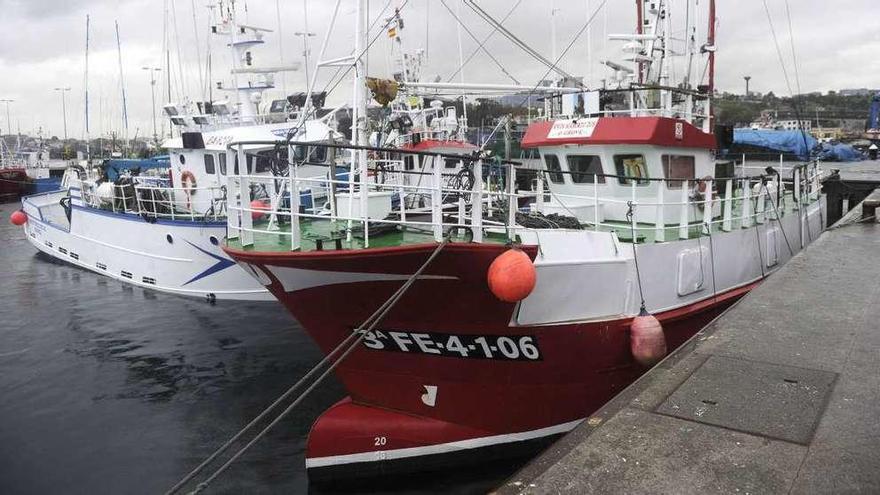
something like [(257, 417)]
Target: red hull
[(476, 401)]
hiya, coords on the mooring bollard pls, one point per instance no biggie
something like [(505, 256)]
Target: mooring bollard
[(869, 208)]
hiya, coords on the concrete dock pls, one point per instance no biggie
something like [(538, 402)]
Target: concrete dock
[(781, 394)]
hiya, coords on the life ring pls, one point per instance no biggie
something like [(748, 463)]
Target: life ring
[(702, 183), (188, 182)]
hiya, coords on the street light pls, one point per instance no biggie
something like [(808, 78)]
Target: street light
[(153, 71), (64, 108), (8, 120)]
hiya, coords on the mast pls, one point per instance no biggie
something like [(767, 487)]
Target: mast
[(122, 85), (461, 64), (640, 20), (281, 46), (359, 112), (711, 43), (198, 51), (88, 144), (589, 46)]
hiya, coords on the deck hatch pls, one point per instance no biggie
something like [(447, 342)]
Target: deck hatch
[(769, 400)]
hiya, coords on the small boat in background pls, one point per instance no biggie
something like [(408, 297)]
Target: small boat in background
[(158, 223)]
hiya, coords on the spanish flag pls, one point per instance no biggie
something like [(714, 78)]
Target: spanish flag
[(392, 32)]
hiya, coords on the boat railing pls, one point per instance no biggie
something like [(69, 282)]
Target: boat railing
[(651, 210), (158, 201)]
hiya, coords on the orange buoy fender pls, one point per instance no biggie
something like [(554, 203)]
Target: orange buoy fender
[(512, 276), (259, 206), (18, 217), (647, 342)]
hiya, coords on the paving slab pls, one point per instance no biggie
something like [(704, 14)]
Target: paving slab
[(781, 394)]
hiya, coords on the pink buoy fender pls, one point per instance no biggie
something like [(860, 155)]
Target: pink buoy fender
[(258, 207), (512, 276), (647, 342), (18, 217)]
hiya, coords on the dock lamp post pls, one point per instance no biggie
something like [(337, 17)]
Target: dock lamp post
[(8, 120), (64, 108), (153, 71)]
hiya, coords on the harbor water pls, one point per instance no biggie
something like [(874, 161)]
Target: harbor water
[(109, 388)]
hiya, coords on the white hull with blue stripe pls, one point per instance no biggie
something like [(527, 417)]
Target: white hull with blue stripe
[(181, 257)]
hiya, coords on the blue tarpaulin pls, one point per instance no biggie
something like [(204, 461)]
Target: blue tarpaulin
[(793, 142), (116, 166), (838, 152)]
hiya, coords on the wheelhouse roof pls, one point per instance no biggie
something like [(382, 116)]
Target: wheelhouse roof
[(656, 131)]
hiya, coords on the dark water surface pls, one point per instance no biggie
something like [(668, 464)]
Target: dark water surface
[(108, 388)]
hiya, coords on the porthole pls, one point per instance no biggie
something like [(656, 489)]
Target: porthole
[(214, 240), (182, 159), (169, 238)]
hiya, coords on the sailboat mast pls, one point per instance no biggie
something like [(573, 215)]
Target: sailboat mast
[(88, 144), (122, 85), (198, 51)]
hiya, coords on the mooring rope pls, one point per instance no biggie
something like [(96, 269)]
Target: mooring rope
[(348, 344)]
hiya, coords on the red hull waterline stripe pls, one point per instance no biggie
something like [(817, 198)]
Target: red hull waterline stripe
[(441, 448)]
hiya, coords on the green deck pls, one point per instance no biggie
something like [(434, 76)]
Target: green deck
[(327, 233)]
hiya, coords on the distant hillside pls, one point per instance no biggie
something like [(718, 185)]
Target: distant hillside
[(831, 109)]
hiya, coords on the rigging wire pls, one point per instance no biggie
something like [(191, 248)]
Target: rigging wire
[(794, 97), (348, 344), (553, 65), (577, 35), (797, 77), (483, 43), (327, 88)]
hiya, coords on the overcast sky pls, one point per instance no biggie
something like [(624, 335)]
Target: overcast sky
[(42, 46)]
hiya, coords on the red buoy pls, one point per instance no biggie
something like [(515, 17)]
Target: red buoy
[(512, 276), (259, 205), (647, 342), (18, 217)]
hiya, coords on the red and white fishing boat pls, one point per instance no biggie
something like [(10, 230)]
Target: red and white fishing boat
[(534, 307)]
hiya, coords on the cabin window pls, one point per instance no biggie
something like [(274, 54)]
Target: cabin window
[(585, 169), (319, 154), (309, 154), (222, 159), (552, 162), (631, 167), (299, 153), (678, 167), (209, 164), (450, 162), (409, 163)]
